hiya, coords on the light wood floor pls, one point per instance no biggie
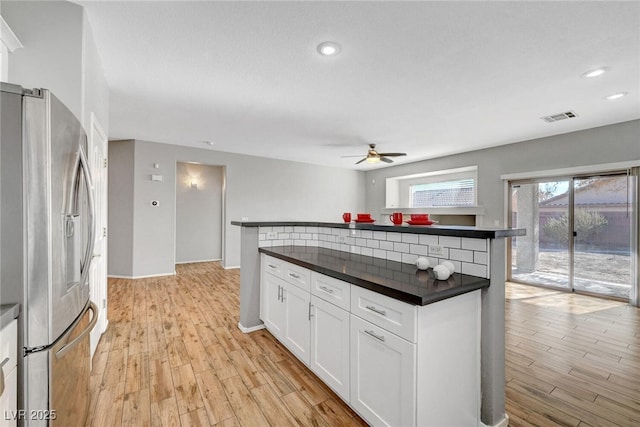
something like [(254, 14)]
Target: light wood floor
[(572, 360), (173, 356)]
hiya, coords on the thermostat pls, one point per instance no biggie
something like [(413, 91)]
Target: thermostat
[(155, 203)]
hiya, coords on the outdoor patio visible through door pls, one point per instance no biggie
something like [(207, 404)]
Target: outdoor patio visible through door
[(578, 234)]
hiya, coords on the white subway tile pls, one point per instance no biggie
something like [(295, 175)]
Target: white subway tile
[(288, 229), (287, 242), (312, 229), (401, 247), (335, 246), (324, 244), (265, 229), (278, 229), (394, 237), (372, 243), (409, 238), (418, 249), (427, 239), (356, 250), (432, 261), (344, 247), (474, 244), (379, 253), (315, 236), (300, 242), (335, 231), (449, 242), (284, 236), (343, 232), (262, 236), (366, 251), (394, 256), (461, 255), (349, 241), (480, 258), (294, 236), (305, 236), (409, 258), (380, 235), (367, 234), (474, 269), (387, 246), (313, 243), (361, 242), (264, 243), (277, 242), (300, 229)]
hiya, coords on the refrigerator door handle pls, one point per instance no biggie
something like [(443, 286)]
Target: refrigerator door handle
[(88, 255), (69, 346)]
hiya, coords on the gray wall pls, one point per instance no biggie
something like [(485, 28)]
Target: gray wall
[(198, 212), (59, 54), (256, 188), (606, 144), (120, 208)]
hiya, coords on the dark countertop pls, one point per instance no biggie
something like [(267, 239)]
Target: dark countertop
[(8, 312), (439, 230), (403, 282)]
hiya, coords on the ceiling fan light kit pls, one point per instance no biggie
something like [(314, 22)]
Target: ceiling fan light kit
[(374, 157)]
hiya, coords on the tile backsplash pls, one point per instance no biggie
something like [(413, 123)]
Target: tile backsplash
[(469, 256)]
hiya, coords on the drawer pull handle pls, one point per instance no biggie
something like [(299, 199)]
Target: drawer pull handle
[(376, 310), (373, 334), (324, 288), (4, 362), (294, 275), (271, 266)]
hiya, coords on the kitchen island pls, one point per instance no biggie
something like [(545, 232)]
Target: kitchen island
[(478, 253)]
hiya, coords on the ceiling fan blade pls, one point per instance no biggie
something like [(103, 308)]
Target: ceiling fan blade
[(392, 154), (384, 159), (357, 163), (355, 155)]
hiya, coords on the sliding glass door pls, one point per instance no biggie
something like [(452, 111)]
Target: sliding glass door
[(541, 257), (578, 234), (602, 235)]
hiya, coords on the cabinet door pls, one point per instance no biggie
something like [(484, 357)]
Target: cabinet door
[(329, 357), (271, 307), (383, 386), (297, 321)]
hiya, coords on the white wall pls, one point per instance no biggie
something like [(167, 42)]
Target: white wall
[(606, 144), (257, 188), (198, 212)]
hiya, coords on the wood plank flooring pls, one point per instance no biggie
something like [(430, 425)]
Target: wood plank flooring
[(173, 356), (572, 360)]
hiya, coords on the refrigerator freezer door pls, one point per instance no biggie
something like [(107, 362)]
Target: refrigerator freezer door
[(58, 199), (64, 399)]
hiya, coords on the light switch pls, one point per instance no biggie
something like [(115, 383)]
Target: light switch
[(156, 177)]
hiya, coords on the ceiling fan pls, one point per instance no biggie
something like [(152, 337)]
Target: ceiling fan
[(374, 157)]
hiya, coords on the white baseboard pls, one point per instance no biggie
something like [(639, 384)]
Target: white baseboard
[(233, 267), (251, 329), (115, 276), (199, 260), (503, 423)]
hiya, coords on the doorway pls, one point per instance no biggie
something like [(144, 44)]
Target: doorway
[(199, 212), (579, 233)]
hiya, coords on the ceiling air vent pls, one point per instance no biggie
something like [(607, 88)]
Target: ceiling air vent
[(560, 116)]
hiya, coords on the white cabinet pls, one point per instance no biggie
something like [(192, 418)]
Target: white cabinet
[(383, 375), (330, 345), (9, 373), (394, 363), (271, 308), (297, 319), (285, 306)]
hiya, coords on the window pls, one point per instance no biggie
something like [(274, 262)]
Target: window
[(450, 188), (459, 192)]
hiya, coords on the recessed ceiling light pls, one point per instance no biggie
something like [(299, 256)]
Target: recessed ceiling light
[(329, 48), (615, 96), (210, 143), (595, 72)]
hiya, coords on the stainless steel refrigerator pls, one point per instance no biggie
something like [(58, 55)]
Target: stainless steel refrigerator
[(47, 235)]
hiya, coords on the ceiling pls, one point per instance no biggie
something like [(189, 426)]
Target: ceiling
[(425, 78)]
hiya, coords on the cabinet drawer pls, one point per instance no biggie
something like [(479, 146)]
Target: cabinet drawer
[(298, 276), (273, 266), (388, 313), (331, 290)]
